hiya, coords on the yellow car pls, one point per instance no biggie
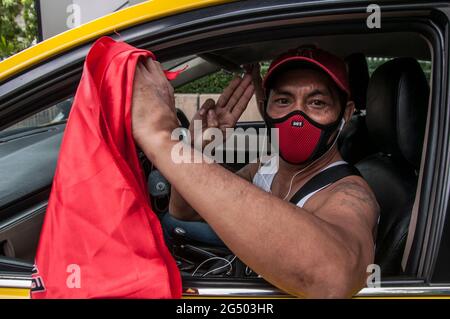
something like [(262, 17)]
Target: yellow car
[(398, 138)]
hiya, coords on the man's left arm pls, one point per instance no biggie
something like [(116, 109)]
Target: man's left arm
[(322, 255), (315, 255)]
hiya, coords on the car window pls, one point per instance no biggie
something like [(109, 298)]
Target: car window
[(188, 98), (55, 114), (191, 96)]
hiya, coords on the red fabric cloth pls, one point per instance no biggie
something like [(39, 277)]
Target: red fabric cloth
[(99, 231)]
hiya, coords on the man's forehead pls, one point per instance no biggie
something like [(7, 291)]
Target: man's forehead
[(303, 79)]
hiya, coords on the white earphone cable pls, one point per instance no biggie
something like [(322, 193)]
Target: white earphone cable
[(228, 263)]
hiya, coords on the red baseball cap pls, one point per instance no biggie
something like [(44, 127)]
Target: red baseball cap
[(331, 64)]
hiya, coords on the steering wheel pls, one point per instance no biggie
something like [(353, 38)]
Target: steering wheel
[(182, 118)]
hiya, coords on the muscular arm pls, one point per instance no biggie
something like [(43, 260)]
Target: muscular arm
[(223, 114), (318, 254), (181, 209)]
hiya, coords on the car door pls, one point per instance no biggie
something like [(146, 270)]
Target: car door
[(206, 30)]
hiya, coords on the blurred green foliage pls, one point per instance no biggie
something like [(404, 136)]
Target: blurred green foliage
[(18, 26), (213, 83)]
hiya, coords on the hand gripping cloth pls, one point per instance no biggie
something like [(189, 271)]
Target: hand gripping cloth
[(100, 238)]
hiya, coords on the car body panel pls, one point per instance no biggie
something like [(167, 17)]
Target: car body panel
[(137, 14), (14, 293), (366, 293)]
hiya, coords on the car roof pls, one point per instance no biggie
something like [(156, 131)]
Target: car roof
[(231, 59), (392, 44), (137, 14)]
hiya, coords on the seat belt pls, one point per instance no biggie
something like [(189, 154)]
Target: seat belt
[(324, 178)]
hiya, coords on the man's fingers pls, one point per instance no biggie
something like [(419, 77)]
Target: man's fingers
[(255, 71), (140, 77), (149, 64), (209, 104), (164, 79), (155, 70), (240, 107), (226, 94), (140, 70), (212, 119), (238, 92), (158, 68), (159, 80), (257, 82)]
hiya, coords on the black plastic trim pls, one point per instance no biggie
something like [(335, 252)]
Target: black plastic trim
[(37, 6), (426, 238), (13, 265), (437, 266)]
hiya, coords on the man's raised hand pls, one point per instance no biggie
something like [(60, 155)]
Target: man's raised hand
[(228, 109)]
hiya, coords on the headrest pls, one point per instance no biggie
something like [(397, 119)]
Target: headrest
[(397, 103), (358, 76)]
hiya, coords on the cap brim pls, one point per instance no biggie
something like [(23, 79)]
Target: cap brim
[(309, 61)]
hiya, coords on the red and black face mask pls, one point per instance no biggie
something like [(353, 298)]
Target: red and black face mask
[(301, 139)]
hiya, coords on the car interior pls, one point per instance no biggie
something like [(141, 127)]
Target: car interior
[(384, 140)]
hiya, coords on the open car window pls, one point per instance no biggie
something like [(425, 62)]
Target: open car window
[(53, 115)]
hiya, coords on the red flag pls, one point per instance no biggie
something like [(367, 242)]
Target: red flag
[(100, 238)]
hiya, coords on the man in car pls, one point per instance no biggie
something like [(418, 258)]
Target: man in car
[(318, 246)]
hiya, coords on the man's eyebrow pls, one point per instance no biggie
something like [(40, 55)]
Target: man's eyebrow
[(281, 91), (318, 92)]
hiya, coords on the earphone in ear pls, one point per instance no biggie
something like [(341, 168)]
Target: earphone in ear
[(341, 126)]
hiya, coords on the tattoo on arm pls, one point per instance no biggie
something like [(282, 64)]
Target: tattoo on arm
[(360, 199), (355, 193)]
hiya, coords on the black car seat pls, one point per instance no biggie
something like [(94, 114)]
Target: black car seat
[(397, 102), (358, 76), (354, 142)]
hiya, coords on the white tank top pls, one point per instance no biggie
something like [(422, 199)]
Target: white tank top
[(266, 173)]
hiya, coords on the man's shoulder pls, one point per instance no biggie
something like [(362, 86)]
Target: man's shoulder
[(352, 190), (352, 184), (349, 200)]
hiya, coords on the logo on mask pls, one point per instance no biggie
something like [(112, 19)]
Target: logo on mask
[(295, 123)]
